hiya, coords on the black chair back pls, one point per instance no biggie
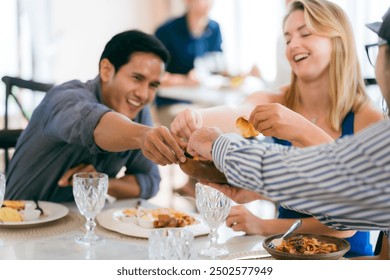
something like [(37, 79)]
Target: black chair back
[(9, 137)]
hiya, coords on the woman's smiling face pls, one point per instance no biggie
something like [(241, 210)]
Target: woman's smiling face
[(308, 53)]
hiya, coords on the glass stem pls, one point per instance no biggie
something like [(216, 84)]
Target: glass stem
[(90, 226), (213, 236)]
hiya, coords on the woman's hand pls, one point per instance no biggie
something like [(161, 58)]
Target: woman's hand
[(279, 121), (241, 219), (186, 122)]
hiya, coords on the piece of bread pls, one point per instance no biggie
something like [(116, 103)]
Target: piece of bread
[(10, 215), (14, 204), (247, 129)]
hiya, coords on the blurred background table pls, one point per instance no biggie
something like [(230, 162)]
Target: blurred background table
[(221, 92)]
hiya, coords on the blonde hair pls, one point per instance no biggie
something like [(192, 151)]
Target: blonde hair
[(347, 89)]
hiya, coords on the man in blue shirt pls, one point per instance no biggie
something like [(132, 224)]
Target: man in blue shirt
[(101, 125), (187, 38)]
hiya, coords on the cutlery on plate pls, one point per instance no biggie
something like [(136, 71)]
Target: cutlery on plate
[(277, 241), (37, 207)]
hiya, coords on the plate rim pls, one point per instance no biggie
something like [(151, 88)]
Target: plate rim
[(61, 209)]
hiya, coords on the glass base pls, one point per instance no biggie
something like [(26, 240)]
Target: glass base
[(214, 252), (90, 240)]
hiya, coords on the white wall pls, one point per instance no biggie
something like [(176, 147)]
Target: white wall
[(80, 30)]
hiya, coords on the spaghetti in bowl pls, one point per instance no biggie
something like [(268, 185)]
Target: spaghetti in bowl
[(305, 246)]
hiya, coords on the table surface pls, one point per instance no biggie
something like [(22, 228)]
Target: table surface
[(56, 240), (210, 95)]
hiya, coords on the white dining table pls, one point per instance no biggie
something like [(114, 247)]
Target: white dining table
[(55, 240), (203, 95), (210, 95)]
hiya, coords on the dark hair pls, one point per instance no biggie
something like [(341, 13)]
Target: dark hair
[(120, 48)]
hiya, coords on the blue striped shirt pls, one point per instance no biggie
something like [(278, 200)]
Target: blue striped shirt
[(345, 184)]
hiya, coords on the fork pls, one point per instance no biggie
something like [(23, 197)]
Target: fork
[(277, 241), (37, 207)]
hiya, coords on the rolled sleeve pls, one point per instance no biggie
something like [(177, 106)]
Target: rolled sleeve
[(77, 113)]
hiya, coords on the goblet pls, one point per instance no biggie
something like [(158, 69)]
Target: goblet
[(214, 207), (89, 191), (2, 191)]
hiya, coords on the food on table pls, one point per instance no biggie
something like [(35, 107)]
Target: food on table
[(8, 214), (130, 212), (14, 204), (159, 218), (130, 215), (305, 245), (247, 128), (30, 214), (18, 211)]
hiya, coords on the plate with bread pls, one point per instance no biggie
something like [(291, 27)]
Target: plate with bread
[(19, 213), (139, 221)]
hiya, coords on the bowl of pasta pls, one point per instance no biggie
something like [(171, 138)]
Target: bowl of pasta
[(305, 246)]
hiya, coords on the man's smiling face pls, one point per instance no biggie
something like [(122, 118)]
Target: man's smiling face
[(134, 85)]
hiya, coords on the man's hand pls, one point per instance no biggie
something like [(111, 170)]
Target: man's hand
[(160, 146), (67, 179)]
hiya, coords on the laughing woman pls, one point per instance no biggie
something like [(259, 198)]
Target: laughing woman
[(326, 100)]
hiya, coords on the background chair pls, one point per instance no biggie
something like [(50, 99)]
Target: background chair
[(16, 89)]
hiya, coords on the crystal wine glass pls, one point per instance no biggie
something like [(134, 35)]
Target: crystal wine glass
[(2, 191), (89, 191), (214, 207)]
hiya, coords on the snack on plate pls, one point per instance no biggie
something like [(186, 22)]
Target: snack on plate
[(247, 128), (14, 204), (130, 215), (178, 219), (130, 212), (163, 217), (8, 214)]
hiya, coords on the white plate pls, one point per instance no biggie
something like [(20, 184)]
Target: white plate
[(108, 219), (52, 211)]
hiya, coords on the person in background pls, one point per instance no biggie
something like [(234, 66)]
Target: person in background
[(346, 184), (187, 38), (102, 125), (325, 101)]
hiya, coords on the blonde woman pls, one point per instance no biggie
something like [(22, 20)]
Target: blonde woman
[(325, 101)]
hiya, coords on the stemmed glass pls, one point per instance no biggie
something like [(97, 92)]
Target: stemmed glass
[(214, 207), (2, 191), (89, 191)]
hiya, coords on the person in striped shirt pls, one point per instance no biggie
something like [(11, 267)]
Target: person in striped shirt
[(344, 184), (318, 107)]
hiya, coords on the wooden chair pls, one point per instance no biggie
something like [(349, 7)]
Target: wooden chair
[(8, 136)]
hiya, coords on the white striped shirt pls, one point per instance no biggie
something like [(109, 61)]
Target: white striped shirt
[(345, 185)]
